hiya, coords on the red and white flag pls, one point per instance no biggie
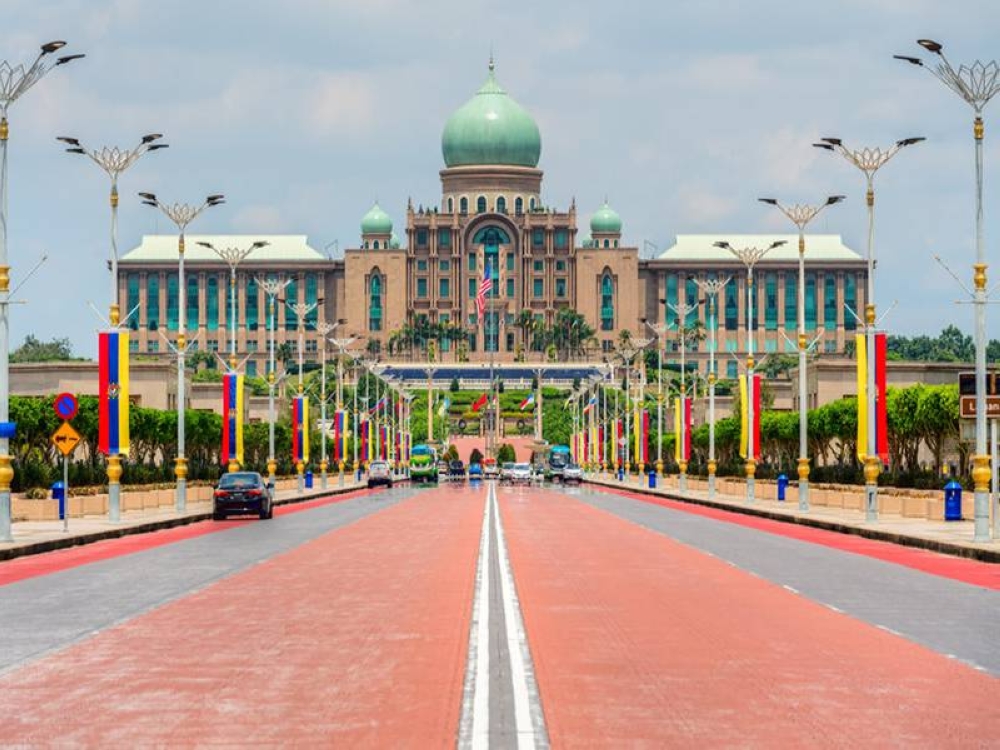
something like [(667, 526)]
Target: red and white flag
[(479, 403), (484, 287)]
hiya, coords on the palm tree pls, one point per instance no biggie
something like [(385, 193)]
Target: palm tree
[(524, 320)]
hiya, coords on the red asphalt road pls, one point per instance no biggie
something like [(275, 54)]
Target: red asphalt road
[(637, 639), (358, 638)]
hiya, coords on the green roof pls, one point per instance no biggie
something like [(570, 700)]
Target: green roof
[(376, 221), (700, 247), (162, 248), (491, 128), (606, 221)]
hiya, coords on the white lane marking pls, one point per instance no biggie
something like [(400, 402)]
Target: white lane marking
[(474, 728), (528, 723), (789, 588)]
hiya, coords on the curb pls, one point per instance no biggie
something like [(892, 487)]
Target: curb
[(50, 545), (893, 537)]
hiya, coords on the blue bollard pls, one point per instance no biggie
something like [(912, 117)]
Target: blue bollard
[(59, 493), (782, 486), (953, 501)]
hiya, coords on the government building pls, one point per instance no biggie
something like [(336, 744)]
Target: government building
[(421, 278)]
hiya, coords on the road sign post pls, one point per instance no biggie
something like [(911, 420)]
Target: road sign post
[(65, 438)]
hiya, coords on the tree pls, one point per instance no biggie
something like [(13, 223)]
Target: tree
[(506, 453), (476, 457), (454, 387), (33, 350)]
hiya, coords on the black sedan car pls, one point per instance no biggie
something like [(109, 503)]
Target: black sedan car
[(456, 469), (242, 493)]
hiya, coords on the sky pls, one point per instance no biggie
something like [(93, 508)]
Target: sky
[(682, 114)]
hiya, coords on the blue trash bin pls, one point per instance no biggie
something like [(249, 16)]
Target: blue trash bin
[(59, 493), (621, 474), (953, 501), (652, 480), (782, 486), (309, 480)]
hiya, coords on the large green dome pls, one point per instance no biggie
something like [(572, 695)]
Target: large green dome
[(376, 221), (491, 128), (605, 221)]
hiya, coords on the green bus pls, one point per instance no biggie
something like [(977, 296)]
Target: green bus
[(423, 464)]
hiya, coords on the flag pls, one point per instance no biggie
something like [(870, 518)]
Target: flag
[(300, 429), (479, 403), (750, 434), (443, 408), (861, 354), (232, 418), (881, 413), (484, 287), (341, 422), (529, 401), (590, 404), (364, 441), (113, 392), (379, 405)]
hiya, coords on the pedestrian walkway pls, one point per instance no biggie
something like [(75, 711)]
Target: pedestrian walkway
[(948, 537), (33, 537)]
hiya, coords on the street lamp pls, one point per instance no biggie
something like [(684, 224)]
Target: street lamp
[(711, 288), (682, 310), (976, 84), (750, 256), (341, 345), (272, 287), (660, 329), (181, 214), (233, 256), (301, 309), (15, 80), (869, 161), (114, 161), (800, 216)]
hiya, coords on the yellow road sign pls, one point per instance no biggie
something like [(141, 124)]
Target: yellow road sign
[(65, 438)]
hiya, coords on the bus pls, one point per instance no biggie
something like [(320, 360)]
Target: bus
[(423, 464), (559, 458)]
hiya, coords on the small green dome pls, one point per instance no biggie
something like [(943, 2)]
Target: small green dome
[(586, 241), (394, 242), (606, 221), (376, 221), (491, 128)]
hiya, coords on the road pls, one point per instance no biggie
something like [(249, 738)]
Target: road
[(498, 617)]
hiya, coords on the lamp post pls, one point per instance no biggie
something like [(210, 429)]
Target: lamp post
[(272, 287), (181, 214), (976, 84), (323, 329), (114, 161), (660, 329), (341, 345), (682, 310), (750, 256), (430, 402), (800, 216), (301, 309), (15, 80), (869, 161), (711, 288)]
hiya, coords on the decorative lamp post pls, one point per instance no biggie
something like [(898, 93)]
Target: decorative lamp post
[(15, 80), (273, 287), (323, 329), (660, 329), (114, 161), (976, 84), (682, 311), (869, 161), (181, 214), (750, 256), (301, 309), (341, 345), (711, 289), (800, 216)]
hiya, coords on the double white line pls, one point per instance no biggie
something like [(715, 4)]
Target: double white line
[(529, 726)]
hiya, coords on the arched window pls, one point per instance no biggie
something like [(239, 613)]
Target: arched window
[(451, 205), (607, 302), (212, 303), (606, 243), (463, 205), (481, 204), (191, 303), (501, 205), (531, 204), (376, 245), (519, 205), (133, 301), (252, 304), (375, 303)]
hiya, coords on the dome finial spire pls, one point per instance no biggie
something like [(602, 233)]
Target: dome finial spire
[(492, 65)]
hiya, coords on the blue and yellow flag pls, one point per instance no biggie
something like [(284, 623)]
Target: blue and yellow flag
[(232, 418), (112, 384)]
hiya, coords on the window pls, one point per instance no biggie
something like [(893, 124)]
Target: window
[(451, 205), (444, 238), (253, 304), (312, 298), (732, 313), (510, 288), (607, 303), (537, 288), (445, 320), (810, 301), (830, 347), (510, 261), (670, 315), (501, 205), (213, 345), (850, 302), (444, 287), (444, 265), (152, 346), (771, 303), (172, 300), (691, 298), (132, 300), (561, 238), (133, 344), (463, 206), (560, 288), (770, 346), (212, 303), (251, 368), (421, 265), (732, 369), (153, 301), (473, 284), (251, 345), (375, 303), (376, 245), (421, 288), (481, 204), (472, 262), (538, 265), (538, 237), (829, 302), (560, 265), (191, 303), (531, 204), (510, 342), (791, 302), (421, 238), (312, 346), (292, 297), (519, 205)]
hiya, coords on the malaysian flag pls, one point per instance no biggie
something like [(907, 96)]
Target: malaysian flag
[(484, 286)]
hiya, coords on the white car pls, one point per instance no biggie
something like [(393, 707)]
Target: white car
[(572, 473), (521, 474)]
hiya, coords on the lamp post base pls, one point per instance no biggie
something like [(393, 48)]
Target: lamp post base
[(181, 472), (300, 468), (751, 470), (682, 480), (711, 479), (322, 477), (340, 477), (981, 505), (272, 469), (803, 484), (872, 466), (114, 489)]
